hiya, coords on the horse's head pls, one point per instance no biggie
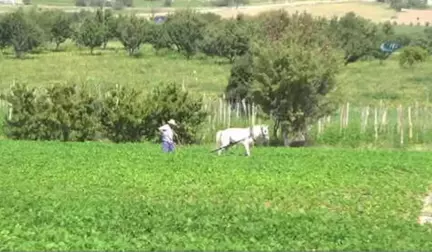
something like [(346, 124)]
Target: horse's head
[(264, 132)]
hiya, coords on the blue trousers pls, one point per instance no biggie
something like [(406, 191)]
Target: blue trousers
[(168, 147)]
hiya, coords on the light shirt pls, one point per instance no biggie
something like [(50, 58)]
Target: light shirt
[(167, 133)]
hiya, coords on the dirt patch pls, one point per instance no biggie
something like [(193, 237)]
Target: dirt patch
[(415, 17), (375, 12)]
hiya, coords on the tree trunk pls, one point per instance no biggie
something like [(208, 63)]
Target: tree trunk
[(285, 135)]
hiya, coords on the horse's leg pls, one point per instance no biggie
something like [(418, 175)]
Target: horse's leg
[(246, 144)]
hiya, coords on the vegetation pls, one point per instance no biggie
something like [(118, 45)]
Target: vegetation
[(262, 49), (95, 76), (80, 196)]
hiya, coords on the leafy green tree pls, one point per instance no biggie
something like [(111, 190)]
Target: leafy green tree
[(299, 28), (388, 29), (185, 29), (241, 79), (90, 34), (158, 37), (131, 32), (356, 36), (21, 33), (4, 35), (292, 83), (411, 55), (61, 28), (227, 39), (108, 22)]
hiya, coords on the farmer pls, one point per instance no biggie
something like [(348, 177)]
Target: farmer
[(167, 133)]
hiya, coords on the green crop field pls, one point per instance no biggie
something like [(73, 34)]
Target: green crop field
[(96, 196)]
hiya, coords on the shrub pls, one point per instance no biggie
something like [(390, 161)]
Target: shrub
[(123, 114), (411, 55), (27, 2), (59, 113), (169, 101), (71, 113)]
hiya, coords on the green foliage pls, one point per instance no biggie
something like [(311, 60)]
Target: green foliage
[(293, 81), (123, 115), (61, 28), (169, 101), (356, 36), (60, 113), (300, 28), (71, 113), (411, 55), (276, 200), (21, 33), (132, 33), (185, 29), (4, 34), (91, 33), (241, 78), (158, 37), (227, 39)]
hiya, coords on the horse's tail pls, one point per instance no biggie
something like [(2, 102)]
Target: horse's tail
[(218, 138)]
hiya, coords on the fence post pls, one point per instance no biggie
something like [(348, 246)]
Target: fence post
[(410, 130), (400, 117), (376, 123)]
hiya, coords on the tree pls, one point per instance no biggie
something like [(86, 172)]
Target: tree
[(292, 83), (227, 39), (4, 35), (90, 34), (61, 28), (21, 33), (131, 31), (108, 22), (411, 55), (356, 36), (158, 37), (185, 30), (241, 79)]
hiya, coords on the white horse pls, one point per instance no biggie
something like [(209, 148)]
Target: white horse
[(247, 136)]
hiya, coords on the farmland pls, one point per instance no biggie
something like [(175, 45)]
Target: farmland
[(98, 196), (95, 180)]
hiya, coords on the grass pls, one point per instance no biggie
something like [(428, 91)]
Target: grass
[(369, 82), (113, 67), (95, 196), (360, 83)]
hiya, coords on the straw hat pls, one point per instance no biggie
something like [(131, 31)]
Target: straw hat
[(172, 122)]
